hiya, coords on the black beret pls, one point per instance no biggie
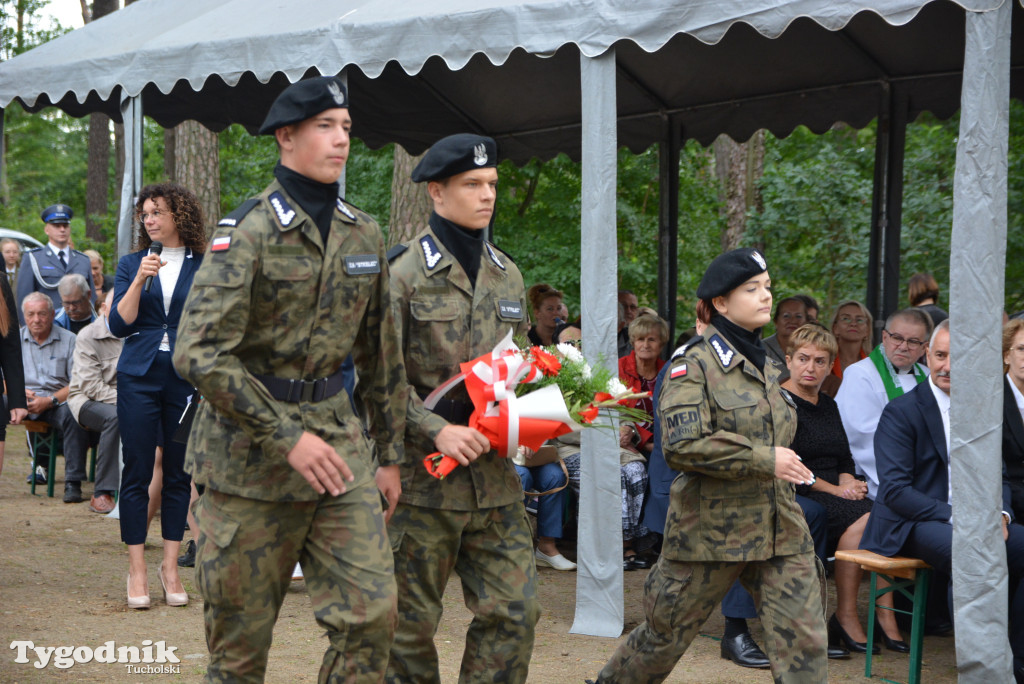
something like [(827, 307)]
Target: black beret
[(730, 270), (304, 99), (454, 155), (57, 213)]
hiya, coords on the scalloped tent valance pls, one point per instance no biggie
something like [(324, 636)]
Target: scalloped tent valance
[(419, 71)]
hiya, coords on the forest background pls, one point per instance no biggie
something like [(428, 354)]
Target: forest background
[(804, 199)]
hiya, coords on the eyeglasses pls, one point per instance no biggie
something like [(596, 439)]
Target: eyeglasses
[(155, 215), (912, 344), (859, 320)]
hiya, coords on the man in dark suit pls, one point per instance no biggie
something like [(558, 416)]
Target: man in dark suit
[(912, 514), (43, 267)]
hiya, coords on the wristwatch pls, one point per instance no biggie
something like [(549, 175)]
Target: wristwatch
[(55, 400)]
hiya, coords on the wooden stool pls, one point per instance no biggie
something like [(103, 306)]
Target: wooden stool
[(910, 577), (44, 442)]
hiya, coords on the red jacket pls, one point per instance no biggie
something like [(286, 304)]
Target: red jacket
[(630, 377)]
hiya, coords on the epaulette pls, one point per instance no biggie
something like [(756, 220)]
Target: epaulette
[(232, 219), (502, 251), (696, 339), (395, 251)]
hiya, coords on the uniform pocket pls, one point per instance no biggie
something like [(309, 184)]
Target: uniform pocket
[(287, 268), (437, 332), (732, 518), (217, 556), (739, 412)]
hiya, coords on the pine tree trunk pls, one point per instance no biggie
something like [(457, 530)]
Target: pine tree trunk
[(410, 203), (739, 167), (197, 167), (97, 175)]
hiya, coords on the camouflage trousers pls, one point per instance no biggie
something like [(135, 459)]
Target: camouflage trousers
[(679, 596), (245, 553), (492, 552)]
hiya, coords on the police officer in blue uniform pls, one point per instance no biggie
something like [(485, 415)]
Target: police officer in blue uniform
[(43, 267)]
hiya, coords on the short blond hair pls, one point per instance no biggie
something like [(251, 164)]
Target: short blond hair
[(646, 323), (815, 335)]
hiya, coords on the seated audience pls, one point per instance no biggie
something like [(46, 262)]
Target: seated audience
[(47, 352), (811, 306), (790, 314), (92, 398), (102, 282), (821, 444), (76, 298), (852, 326), (638, 371), (546, 482), (546, 303), (629, 307), (868, 385), (1013, 410), (11, 251), (923, 292), (913, 512)]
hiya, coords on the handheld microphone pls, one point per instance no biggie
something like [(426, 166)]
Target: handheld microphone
[(155, 248)]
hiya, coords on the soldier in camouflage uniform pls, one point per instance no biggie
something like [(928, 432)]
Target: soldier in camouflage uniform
[(732, 513), (295, 280), (456, 296)]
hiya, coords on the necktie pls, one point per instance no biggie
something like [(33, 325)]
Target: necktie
[(63, 261)]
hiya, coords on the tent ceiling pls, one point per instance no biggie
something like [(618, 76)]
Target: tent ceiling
[(511, 69)]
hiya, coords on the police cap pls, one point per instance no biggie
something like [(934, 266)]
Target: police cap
[(730, 270), (454, 155), (57, 213), (305, 99)]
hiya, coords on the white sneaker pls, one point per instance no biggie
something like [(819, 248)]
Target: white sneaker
[(297, 573), (558, 561)]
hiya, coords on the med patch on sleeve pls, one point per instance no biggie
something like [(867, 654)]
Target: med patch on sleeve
[(681, 423)]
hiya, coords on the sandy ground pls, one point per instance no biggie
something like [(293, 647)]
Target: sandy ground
[(62, 571)]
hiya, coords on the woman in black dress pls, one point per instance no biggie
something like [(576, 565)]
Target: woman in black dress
[(822, 444)]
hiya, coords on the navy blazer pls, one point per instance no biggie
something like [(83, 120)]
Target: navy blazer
[(142, 338), (913, 475)]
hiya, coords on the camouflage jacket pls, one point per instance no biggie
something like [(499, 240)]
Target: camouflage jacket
[(443, 321), (721, 420), (271, 299)]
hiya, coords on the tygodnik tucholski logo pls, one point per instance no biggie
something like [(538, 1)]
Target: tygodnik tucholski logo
[(149, 658)]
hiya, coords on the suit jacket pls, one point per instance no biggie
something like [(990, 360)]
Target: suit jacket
[(660, 476), (142, 337), (51, 271), (913, 471), (1013, 448)]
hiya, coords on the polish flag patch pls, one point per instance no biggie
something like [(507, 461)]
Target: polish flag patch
[(679, 371), (221, 244)]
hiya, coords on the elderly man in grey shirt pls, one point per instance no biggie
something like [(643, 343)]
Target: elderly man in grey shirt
[(47, 352)]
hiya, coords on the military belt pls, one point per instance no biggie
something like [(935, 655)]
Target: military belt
[(452, 410), (294, 391)]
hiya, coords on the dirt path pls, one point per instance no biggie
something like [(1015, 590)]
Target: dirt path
[(62, 582)]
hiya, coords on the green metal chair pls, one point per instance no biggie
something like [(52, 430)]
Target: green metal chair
[(44, 443)]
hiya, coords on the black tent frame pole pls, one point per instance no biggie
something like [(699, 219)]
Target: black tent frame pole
[(668, 227), (883, 287)]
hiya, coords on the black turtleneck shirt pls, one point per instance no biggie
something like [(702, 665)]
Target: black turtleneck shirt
[(746, 342), (316, 199), (465, 244)]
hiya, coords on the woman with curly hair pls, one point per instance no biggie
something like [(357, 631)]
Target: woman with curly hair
[(150, 289)]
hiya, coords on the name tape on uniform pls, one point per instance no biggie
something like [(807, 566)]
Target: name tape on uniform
[(510, 310), (361, 264)]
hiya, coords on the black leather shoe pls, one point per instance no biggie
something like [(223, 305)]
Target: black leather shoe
[(942, 628), (188, 559), (897, 645), (744, 651), (837, 636), (1018, 675), (72, 492), (836, 652)]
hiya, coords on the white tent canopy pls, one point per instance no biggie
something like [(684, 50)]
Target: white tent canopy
[(583, 77)]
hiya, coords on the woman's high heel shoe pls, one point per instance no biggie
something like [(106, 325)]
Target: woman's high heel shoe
[(171, 598), (838, 635), (897, 645), (136, 602)]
